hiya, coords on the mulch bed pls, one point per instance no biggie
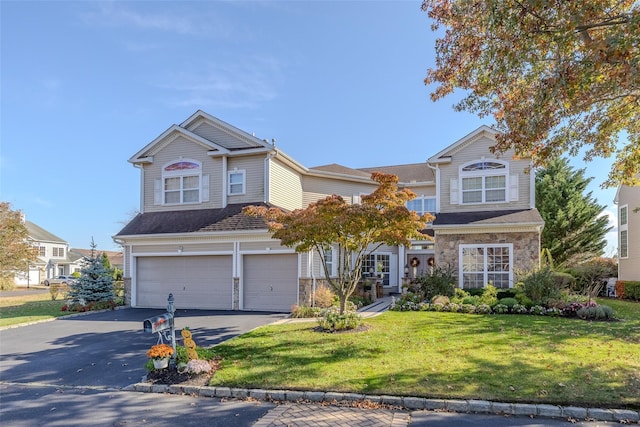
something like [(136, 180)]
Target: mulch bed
[(172, 376)]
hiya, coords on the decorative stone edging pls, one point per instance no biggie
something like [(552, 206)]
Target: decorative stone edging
[(410, 403)]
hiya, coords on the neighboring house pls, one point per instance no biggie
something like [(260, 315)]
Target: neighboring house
[(628, 200), (54, 257), (192, 240), (115, 257)]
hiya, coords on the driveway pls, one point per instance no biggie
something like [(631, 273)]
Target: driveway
[(106, 349)]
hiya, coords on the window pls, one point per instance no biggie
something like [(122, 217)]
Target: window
[(236, 182), (328, 260), (624, 243), (484, 264), (422, 205), (58, 252), (623, 215), (379, 264), (42, 251), (623, 240), (181, 182), (484, 182)]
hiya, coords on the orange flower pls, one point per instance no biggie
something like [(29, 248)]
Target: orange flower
[(160, 351)]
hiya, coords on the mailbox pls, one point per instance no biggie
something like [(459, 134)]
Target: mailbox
[(158, 323)]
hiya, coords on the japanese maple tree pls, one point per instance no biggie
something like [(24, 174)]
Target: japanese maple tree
[(357, 230), (558, 76)]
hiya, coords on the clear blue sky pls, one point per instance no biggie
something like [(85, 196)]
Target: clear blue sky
[(85, 85)]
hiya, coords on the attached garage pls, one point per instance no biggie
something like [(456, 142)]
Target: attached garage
[(202, 282), (270, 282)]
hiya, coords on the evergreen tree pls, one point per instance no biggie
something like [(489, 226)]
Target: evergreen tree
[(574, 229), (95, 283)]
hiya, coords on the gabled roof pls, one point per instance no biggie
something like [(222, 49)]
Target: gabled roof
[(39, 234), (444, 156), (335, 168), (415, 172), (482, 218), (246, 141), (229, 218)]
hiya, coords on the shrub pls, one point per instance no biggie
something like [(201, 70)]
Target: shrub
[(359, 301), (198, 366), (628, 290), (323, 297), (441, 281), (519, 309), (332, 320), (58, 290), (489, 296), (475, 291), (598, 312), (471, 300), (508, 302), (538, 310), (564, 280), (484, 309), (540, 286), (304, 311), (440, 299), (467, 308), (500, 308), (506, 293)]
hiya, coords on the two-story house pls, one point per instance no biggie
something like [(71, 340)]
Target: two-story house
[(54, 257), (628, 201), (192, 240)]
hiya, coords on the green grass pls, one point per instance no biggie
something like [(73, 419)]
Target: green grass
[(445, 355), (29, 308)]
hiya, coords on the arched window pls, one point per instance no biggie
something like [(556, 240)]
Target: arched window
[(484, 181), (181, 182)]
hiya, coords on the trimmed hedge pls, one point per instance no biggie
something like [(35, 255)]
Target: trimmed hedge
[(628, 290)]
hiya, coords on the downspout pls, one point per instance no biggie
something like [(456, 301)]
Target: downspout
[(436, 170)]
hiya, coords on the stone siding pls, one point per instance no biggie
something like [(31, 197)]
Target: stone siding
[(526, 247)]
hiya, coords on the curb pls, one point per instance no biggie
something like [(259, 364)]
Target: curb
[(398, 402)]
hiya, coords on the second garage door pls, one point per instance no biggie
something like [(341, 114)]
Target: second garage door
[(203, 282), (270, 282)]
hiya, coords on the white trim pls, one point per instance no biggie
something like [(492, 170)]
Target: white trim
[(623, 228), (241, 172), (461, 247), (462, 175)]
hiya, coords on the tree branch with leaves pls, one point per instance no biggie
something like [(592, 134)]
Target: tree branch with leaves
[(357, 230), (557, 76)]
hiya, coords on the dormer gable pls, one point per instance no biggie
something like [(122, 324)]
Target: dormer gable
[(218, 137), (445, 155)]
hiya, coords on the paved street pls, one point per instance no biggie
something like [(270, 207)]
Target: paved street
[(72, 372)]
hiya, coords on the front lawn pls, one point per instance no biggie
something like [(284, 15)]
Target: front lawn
[(29, 308), (516, 358)]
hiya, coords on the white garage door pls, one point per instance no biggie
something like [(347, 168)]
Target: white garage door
[(270, 282), (203, 282)]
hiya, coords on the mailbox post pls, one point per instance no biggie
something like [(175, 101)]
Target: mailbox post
[(162, 325)]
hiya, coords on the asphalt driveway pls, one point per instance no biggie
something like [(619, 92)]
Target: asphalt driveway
[(106, 349)]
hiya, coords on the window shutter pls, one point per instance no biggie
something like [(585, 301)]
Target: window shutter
[(157, 191), (355, 200), (393, 270), (513, 188), (205, 188), (453, 197)]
